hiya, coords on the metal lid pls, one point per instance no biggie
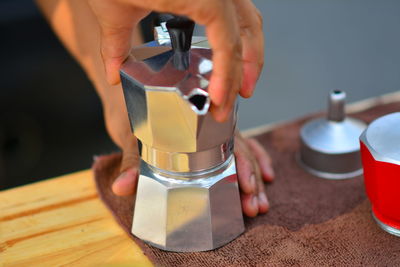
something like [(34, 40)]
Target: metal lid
[(382, 137), (329, 146)]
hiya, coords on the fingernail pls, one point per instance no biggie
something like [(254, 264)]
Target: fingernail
[(253, 183), (250, 91), (262, 198), (254, 202), (268, 171)]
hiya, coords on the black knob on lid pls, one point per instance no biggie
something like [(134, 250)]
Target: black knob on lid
[(180, 31)]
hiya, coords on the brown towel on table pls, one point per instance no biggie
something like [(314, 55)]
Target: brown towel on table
[(312, 221)]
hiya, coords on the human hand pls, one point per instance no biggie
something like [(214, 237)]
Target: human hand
[(234, 31), (231, 24), (254, 167)]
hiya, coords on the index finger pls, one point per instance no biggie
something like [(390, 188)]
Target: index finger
[(250, 24), (224, 37)]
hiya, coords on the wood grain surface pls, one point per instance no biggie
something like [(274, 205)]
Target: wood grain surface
[(61, 222)]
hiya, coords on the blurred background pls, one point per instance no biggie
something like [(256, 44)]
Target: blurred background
[(51, 119)]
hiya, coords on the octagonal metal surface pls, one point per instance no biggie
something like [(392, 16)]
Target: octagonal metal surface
[(167, 106), (188, 214)]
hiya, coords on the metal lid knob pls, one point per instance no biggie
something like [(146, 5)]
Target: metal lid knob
[(180, 30), (329, 146)]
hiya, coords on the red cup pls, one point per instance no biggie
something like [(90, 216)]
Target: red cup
[(380, 153)]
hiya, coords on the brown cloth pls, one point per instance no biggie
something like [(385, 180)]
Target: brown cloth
[(312, 221)]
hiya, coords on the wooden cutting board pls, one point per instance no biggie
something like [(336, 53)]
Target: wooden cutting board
[(61, 222)]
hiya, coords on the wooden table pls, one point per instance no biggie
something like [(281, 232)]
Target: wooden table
[(62, 222)]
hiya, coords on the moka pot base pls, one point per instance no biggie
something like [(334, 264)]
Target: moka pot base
[(185, 212)]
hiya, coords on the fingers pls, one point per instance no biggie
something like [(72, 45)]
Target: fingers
[(245, 170), (117, 22), (249, 204), (126, 182), (226, 79), (117, 124), (253, 196), (263, 204), (237, 62), (130, 156), (229, 26), (255, 203), (222, 29), (263, 159), (250, 24)]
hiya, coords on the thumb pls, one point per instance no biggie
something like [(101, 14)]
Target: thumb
[(126, 182)]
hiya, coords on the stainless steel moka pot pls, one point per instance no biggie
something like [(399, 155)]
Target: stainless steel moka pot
[(187, 195)]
